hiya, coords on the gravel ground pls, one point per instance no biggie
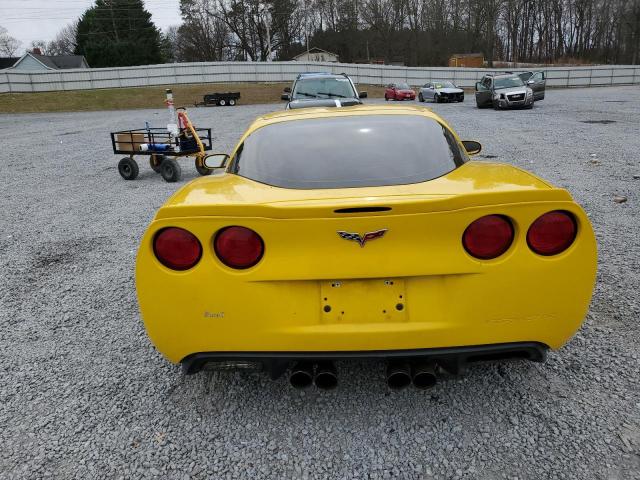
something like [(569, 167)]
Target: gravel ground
[(83, 394)]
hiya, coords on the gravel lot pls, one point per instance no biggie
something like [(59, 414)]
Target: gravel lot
[(83, 394)]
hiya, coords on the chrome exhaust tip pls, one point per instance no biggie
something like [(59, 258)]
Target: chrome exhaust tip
[(301, 375), (398, 375), (326, 376)]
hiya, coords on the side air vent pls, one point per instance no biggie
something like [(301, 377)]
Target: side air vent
[(362, 209)]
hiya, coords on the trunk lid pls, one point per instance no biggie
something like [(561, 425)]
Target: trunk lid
[(471, 185)]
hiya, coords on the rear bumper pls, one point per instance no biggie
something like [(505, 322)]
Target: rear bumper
[(452, 359)]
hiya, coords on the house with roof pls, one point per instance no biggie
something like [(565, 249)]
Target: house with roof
[(34, 61), (316, 54)]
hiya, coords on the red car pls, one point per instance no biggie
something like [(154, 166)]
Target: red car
[(399, 91)]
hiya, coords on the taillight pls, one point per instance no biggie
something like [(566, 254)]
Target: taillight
[(552, 233), (238, 247), (488, 237), (177, 248)]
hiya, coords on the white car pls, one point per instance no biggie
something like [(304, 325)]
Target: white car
[(441, 91)]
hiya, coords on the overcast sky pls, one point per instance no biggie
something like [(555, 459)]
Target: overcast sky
[(29, 20)]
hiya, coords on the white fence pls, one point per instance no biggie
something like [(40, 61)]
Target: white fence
[(225, 72)]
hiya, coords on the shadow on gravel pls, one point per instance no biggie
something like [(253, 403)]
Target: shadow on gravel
[(600, 122), (55, 254)]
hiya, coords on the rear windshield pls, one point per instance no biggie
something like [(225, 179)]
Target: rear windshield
[(353, 151)]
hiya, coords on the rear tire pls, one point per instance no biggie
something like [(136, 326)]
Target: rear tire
[(170, 170), (386, 99), (202, 170), (232, 102), (128, 168), (222, 102), (420, 97), (155, 161), (436, 98)]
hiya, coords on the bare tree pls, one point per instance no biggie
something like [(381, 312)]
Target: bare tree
[(201, 37), (8, 45), (65, 41), (38, 46)]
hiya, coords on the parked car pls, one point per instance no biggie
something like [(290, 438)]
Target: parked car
[(441, 91), (505, 90), (399, 91), (322, 90), (362, 232)]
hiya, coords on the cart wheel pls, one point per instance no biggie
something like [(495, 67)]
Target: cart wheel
[(170, 170), (128, 168), (202, 170), (155, 161), (222, 102), (232, 102)]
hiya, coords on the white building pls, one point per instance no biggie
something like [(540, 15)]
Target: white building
[(316, 55)]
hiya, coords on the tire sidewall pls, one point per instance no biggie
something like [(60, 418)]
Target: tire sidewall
[(170, 170), (128, 168)]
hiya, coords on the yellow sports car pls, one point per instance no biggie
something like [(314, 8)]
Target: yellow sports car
[(363, 232)]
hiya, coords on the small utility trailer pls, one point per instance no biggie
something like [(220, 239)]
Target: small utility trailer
[(219, 99)]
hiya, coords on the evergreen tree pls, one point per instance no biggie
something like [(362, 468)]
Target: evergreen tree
[(118, 33)]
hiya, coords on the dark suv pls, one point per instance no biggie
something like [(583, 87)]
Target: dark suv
[(322, 90), (509, 90)]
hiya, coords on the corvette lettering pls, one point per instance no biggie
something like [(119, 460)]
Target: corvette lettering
[(362, 239)]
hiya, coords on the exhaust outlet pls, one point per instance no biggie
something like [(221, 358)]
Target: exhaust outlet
[(398, 375), (326, 376), (301, 375), (423, 375)]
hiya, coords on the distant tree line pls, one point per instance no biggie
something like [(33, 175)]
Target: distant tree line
[(413, 32)]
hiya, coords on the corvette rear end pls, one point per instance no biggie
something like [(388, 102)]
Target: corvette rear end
[(484, 262)]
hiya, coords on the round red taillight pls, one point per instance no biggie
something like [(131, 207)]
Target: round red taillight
[(177, 248), (552, 233), (488, 237), (238, 247)]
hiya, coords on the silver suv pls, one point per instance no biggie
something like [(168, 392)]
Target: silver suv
[(509, 90)]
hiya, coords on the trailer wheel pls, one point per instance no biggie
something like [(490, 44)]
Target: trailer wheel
[(155, 161), (222, 102), (202, 170), (232, 102), (128, 168), (170, 170)]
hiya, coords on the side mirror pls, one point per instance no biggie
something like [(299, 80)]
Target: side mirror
[(215, 160), (472, 147), (530, 82), (362, 95), (286, 97), (287, 89)]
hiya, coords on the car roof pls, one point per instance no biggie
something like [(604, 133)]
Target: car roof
[(320, 74), (496, 75)]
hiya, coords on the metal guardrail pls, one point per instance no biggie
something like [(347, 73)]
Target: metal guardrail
[(14, 81)]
